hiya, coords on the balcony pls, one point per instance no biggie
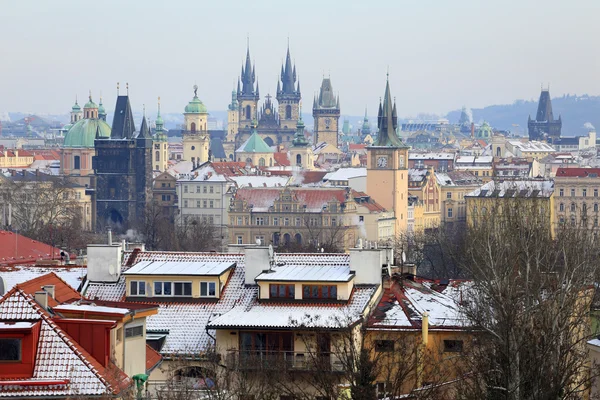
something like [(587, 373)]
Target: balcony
[(277, 360)]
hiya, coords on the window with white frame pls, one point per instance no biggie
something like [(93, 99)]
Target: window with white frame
[(134, 331), (208, 289), (137, 288), (185, 189), (162, 288)]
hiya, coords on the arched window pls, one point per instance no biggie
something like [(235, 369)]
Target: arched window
[(231, 157), (248, 112), (298, 159), (561, 207), (270, 162), (298, 238), (76, 162), (193, 127), (261, 162), (249, 160), (498, 152), (573, 207), (157, 154), (288, 112), (287, 239)]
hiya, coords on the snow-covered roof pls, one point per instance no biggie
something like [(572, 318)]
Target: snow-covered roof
[(417, 174), (62, 364), (430, 156), (532, 146), (91, 308), (187, 268), (260, 180), (16, 274), (186, 323), (473, 160), (406, 301), (291, 316), (343, 174), (307, 273), (538, 188)]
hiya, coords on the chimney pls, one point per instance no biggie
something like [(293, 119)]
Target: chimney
[(104, 262), (109, 236), (472, 129), (367, 265), (49, 289), (256, 260), (425, 328), (41, 298)]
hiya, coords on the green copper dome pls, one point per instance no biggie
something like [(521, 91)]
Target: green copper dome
[(101, 110), (76, 107), (90, 104), (195, 106), (83, 133)]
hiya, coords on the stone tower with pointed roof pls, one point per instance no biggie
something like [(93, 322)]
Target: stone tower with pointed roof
[(387, 164), (288, 94), (326, 112), (544, 127), (247, 93), (366, 126), (300, 153), (196, 140), (233, 119), (123, 172)]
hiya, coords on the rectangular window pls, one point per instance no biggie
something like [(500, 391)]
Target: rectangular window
[(211, 204), (561, 192), (449, 195), (239, 220), (197, 203), (204, 203), (182, 288), (208, 289), (584, 192), (572, 192), (137, 288), (211, 189), (286, 221), (203, 189), (282, 291), (260, 240), (361, 218), (275, 221), (298, 222), (334, 221), (240, 240), (185, 203), (449, 213), (453, 346), (134, 331), (384, 345), (162, 289), (185, 189), (260, 221), (197, 189), (319, 292), (595, 192), (10, 349)]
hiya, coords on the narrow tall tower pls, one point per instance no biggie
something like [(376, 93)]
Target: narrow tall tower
[(233, 115), (288, 95), (76, 113), (387, 164), (544, 127), (326, 112), (301, 154), (160, 156), (196, 140), (247, 93)]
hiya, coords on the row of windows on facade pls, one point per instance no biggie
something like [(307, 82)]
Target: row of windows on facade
[(168, 288), (157, 155), (201, 203), (584, 192), (288, 291), (288, 112), (201, 189), (573, 220), (573, 207), (284, 221), (278, 238)]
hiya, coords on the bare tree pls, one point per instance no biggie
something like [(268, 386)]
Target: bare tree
[(530, 301), (194, 234)]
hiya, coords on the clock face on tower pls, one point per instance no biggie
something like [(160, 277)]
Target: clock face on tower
[(382, 162)]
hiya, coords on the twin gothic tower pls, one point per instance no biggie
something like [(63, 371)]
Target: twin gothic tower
[(276, 124)]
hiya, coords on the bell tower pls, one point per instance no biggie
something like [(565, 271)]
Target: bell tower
[(326, 112), (387, 164), (233, 115), (288, 95), (196, 140)]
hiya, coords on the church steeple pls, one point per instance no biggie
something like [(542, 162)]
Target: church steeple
[(299, 138), (387, 121), (248, 78)]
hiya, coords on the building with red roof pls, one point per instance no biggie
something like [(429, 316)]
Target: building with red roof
[(19, 249), (577, 197)]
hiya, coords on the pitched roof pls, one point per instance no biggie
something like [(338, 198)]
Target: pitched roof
[(15, 274), (65, 366), (153, 359), (281, 158), (15, 248), (509, 188), (63, 292), (255, 144), (123, 125), (403, 304), (578, 172), (314, 199)]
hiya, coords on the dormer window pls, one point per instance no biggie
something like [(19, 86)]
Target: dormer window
[(319, 292), (10, 350), (282, 291), (137, 288), (207, 289)]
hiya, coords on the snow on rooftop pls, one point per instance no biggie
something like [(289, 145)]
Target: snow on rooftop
[(188, 268), (343, 174), (90, 308), (15, 275), (16, 325), (430, 156), (308, 273), (515, 188), (260, 180), (532, 146)]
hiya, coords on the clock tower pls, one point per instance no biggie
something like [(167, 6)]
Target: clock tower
[(326, 112), (387, 164)]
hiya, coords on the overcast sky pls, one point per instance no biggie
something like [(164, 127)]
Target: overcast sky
[(441, 54)]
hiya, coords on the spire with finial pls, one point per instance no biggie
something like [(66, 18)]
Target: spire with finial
[(248, 76), (160, 134), (387, 121), (299, 138)]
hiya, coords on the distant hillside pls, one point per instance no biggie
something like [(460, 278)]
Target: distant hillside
[(575, 111)]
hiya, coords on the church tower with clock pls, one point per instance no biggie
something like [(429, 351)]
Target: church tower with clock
[(326, 113), (387, 164)]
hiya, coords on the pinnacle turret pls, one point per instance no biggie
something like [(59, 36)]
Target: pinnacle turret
[(387, 122)]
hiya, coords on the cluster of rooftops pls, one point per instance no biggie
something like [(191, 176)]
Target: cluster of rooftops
[(192, 295)]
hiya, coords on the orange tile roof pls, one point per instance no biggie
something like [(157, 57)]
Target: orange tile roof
[(63, 292), (18, 249), (153, 359), (281, 158)]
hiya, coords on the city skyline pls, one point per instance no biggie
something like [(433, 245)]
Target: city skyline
[(463, 54)]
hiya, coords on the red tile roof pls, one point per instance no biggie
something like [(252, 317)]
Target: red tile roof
[(229, 168), (281, 158), (577, 172), (367, 201), (314, 198), (63, 292), (356, 147), (313, 176), (153, 359), (18, 249)]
